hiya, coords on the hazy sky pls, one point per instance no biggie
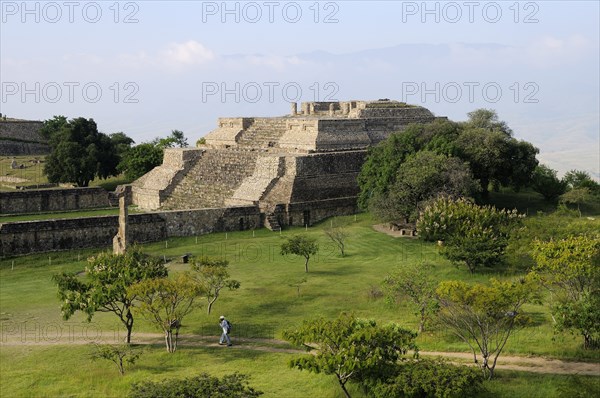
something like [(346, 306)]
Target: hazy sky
[(148, 67)]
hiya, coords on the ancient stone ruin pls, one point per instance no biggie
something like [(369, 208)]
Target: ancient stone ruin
[(295, 169), (121, 239)]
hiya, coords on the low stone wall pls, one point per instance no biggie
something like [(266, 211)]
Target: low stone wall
[(48, 200), (18, 148), (66, 234), (302, 213)]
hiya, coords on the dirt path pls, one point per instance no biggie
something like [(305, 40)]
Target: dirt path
[(526, 364)]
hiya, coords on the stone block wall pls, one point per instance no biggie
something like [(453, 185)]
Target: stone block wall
[(205, 221), (67, 234), (301, 213), (17, 148), (23, 130), (48, 200), (22, 137)]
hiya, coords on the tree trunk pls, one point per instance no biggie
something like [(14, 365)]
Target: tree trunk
[(343, 385), (587, 340), (210, 304), (168, 339), (129, 326), (306, 264)]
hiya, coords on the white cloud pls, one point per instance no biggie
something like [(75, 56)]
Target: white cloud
[(189, 53)]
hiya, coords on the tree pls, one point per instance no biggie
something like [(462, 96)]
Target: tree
[(546, 183), (484, 142), (576, 196), (423, 176), (487, 119), (175, 139), (119, 354), (78, 152), (201, 386), (300, 245), (350, 348), (415, 283), (212, 276), (140, 159), (165, 302), (380, 169), (570, 268), (494, 156), (484, 316), (338, 236), (52, 126), (122, 143), (579, 179), (474, 235), (105, 288)]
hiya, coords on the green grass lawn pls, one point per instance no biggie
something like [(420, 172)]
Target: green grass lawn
[(32, 173), (267, 303)]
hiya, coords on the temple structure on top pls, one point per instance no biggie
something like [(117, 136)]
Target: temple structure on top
[(296, 169)]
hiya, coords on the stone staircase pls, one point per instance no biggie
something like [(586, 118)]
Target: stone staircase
[(212, 180), (263, 133), (272, 222), (268, 168)]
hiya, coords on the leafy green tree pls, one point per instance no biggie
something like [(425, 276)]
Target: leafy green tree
[(546, 183), (579, 179), (423, 176), (52, 126), (78, 152), (201, 386), (165, 302), (175, 139), (487, 119), (474, 235), (496, 157), (414, 283), (380, 169), (493, 155), (140, 159), (350, 348), (119, 354), (430, 378), (201, 141), (212, 275), (121, 142), (300, 245), (484, 316), (105, 287), (570, 268), (576, 196)]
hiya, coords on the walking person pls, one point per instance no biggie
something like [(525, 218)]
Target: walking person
[(226, 326)]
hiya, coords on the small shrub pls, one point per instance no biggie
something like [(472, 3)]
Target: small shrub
[(119, 354), (374, 293), (201, 386), (431, 378)]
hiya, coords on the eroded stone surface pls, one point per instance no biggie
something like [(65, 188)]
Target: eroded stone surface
[(289, 166)]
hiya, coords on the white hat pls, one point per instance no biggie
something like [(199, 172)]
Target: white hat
[(221, 317)]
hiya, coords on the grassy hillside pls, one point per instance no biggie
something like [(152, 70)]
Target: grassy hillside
[(267, 303)]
